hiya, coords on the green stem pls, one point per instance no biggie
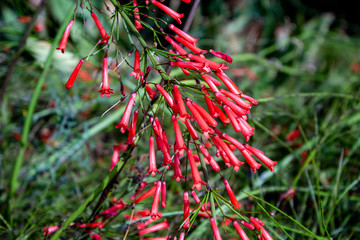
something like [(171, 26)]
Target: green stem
[(14, 184)]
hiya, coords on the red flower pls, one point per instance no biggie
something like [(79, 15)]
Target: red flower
[(155, 228), (215, 229), (115, 157), (65, 37), (197, 200), (168, 98), (180, 146), (177, 170), (180, 103), (207, 117), (195, 172), (248, 225), (264, 234), (123, 125), (155, 205), (176, 16), (260, 155), (236, 99), (211, 160), (233, 118), (105, 84), (228, 82), (105, 37), (177, 47), (138, 190), (212, 84), (233, 159), (222, 56), (192, 66), (191, 130), (137, 22), (293, 135), (186, 217), (236, 109), (190, 45), (222, 115), (209, 102), (250, 160), (183, 34), (72, 78), (150, 92), (240, 231), (137, 71), (231, 194), (50, 229), (152, 161), (163, 194), (132, 131), (199, 119), (213, 65), (145, 195)]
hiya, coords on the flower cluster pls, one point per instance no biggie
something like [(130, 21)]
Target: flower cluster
[(195, 118)]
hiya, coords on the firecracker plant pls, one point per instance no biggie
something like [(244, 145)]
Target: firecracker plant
[(195, 103)]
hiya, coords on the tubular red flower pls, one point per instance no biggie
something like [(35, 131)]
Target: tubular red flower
[(105, 37), (233, 141), (250, 160), (145, 195), (168, 98), (207, 117), (263, 233), (209, 80), (222, 115), (232, 118), (150, 92), (246, 131), (222, 56), (132, 131), (177, 47), (72, 78), (155, 228), (191, 65), (250, 99), (137, 22), (65, 37), (190, 45), (123, 125), (236, 109), (115, 157), (248, 225), (152, 161), (180, 146), (260, 155), (215, 229), (240, 231), (233, 159), (176, 16), (155, 205), (221, 152), (236, 99), (138, 190), (186, 217), (211, 160), (165, 151), (228, 82), (163, 194), (195, 172), (231, 194), (202, 124), (209, 102), (211, 64), (137, 71), (180, 103), (177, 169), (191, 130), (197, 200), (183, 34), (157, 127), (105, 79)]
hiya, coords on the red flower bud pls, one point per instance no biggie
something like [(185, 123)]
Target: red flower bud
[(191, 130), (222, 56), (240, 231), (231, 194), (222, 115), (65, 37), (207, 117), (152, 161), (228, 82), (137, 22), (236, 99), (199, 119), (155, 205), (195, 172), (115, 157), (180, 146), (180, 103), (176, 16), (123, 125), (155, 228), (168, 98), (177, 169), (105, 37), (190, 45), (72, 78), (183, 34), (150, 92), (211, 64), (197, 200), (186, 217), (260, 155), (132, 131), (211, 160), (233, 159), (215, 229), (163, 194), (145, 195), (177, 47)]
